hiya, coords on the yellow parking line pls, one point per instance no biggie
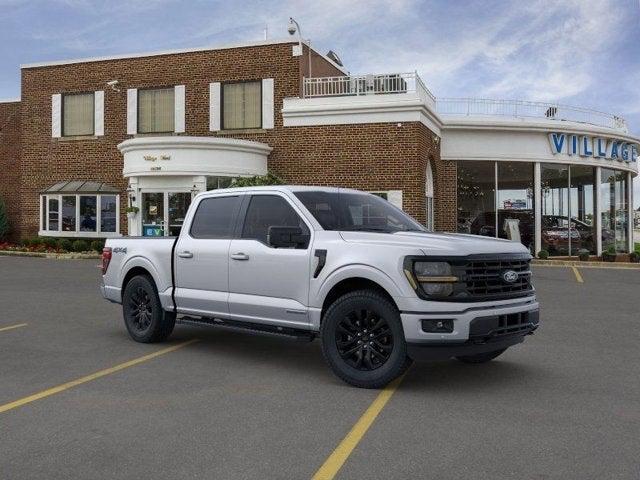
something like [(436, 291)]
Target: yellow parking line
[(577, 274), (88, 378), (4, 329), (334, 463)]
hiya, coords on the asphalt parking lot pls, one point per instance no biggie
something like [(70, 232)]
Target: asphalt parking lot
[(565, 404)]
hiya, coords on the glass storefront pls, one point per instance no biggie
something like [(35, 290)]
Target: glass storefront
[(516, 219), (476, 198), (497, 199), (614, 190)]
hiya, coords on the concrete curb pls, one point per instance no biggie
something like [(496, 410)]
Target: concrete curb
[(573, 263), (56, 256)]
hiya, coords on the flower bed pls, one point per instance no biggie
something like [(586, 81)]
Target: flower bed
[(41, 246)]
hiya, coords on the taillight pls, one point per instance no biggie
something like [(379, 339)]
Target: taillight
[(106, 258)]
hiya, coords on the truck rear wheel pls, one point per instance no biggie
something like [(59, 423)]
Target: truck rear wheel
[(363, 340), (481, 357), (144, 317)]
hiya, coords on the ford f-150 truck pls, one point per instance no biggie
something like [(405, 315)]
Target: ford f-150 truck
[(346, 266)]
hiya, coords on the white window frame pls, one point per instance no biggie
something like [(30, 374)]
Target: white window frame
[(44, 216)]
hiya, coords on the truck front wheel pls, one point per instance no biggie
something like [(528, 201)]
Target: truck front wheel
[(363, 340), (144, 317)]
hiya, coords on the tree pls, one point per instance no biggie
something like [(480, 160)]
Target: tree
[(4, 221), (256, 181)]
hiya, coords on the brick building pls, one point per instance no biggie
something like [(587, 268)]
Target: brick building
[(90, 137)]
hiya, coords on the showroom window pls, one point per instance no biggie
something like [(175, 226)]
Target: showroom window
[(516, 219), (78, 114), (614, 190), (477, 198), (241, 105), (79, 209), (156, 110)]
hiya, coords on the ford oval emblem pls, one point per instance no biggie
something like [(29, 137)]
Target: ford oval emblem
[(510, 276)]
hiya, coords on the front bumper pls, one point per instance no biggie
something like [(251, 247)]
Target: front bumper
[(476, 329)]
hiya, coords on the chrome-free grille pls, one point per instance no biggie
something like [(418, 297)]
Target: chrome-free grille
[(484, 277)]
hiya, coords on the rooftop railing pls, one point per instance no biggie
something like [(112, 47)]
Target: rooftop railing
[(356, 85), (399, 83), (526, 109)]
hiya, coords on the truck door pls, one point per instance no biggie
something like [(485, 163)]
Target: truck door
[(202, 257), (267, 284)]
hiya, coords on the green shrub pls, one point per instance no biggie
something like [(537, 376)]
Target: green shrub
[(50, 242), (543, 254), (634, 257), (97, 245), (65, 244), (583, 254), (80, 246), (26, 242), (256, 181)]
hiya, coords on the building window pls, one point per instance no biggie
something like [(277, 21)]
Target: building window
[(615, 216), (156, 110), (428, 191), (78, 114), (477, 197), (75, 215), (241, 105), (214, 183), (516, 203)]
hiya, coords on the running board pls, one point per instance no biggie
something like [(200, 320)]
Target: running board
[(252, 328)]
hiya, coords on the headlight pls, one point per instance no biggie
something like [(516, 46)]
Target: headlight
[(435, 278)]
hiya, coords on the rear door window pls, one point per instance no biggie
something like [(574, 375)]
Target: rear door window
[(215, 217)]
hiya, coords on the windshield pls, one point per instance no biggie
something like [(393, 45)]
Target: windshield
[(356, 212)]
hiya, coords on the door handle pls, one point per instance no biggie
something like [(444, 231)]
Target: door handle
[(185, 254), (239, 256)]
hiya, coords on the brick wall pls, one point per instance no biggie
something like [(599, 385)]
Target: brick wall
[(368, 156), (9, 160)]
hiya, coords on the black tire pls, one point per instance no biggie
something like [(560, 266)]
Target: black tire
[(144, 317), (481, 357), (350, 318)]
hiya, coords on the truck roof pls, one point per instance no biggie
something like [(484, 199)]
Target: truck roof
[(280, 188)]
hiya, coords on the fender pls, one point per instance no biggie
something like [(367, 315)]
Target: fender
[(142, 262), (356, 270)]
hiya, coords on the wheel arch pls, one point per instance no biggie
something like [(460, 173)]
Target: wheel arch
[(352, 279)]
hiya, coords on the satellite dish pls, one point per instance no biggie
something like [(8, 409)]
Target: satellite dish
[(334, 56)]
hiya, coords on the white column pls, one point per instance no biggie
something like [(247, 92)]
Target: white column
[(630, 244), (537, 206), (598, 210)]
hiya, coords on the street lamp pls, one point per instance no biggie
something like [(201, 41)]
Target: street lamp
[(292, 29)]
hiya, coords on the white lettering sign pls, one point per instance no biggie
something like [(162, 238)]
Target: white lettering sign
[(597, 147)]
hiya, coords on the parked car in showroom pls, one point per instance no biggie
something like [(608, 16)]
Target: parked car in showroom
[(342, 265)]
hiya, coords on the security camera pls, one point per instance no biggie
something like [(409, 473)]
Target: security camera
[(112, 84), (292, 27)]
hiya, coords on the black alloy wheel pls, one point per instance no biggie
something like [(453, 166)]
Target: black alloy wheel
[(144, 317), (140, 309), (364, 340)]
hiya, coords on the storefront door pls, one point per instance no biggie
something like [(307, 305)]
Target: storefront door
[(163, 213)]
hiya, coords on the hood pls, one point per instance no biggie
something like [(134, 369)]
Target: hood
[(454, 244)]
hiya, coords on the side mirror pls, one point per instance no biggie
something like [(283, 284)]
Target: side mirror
[(287, 237)]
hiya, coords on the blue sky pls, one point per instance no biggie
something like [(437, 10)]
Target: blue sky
[(580, 52)]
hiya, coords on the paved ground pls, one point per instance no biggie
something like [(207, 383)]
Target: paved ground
[(564, 405)]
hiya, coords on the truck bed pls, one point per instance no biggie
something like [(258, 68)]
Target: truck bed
[(153, 254)]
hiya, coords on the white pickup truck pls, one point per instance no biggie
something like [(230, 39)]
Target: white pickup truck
[(375, 286)]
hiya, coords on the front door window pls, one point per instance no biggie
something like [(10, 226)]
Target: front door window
[(153, 224), (178, 204), (163, 213)]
